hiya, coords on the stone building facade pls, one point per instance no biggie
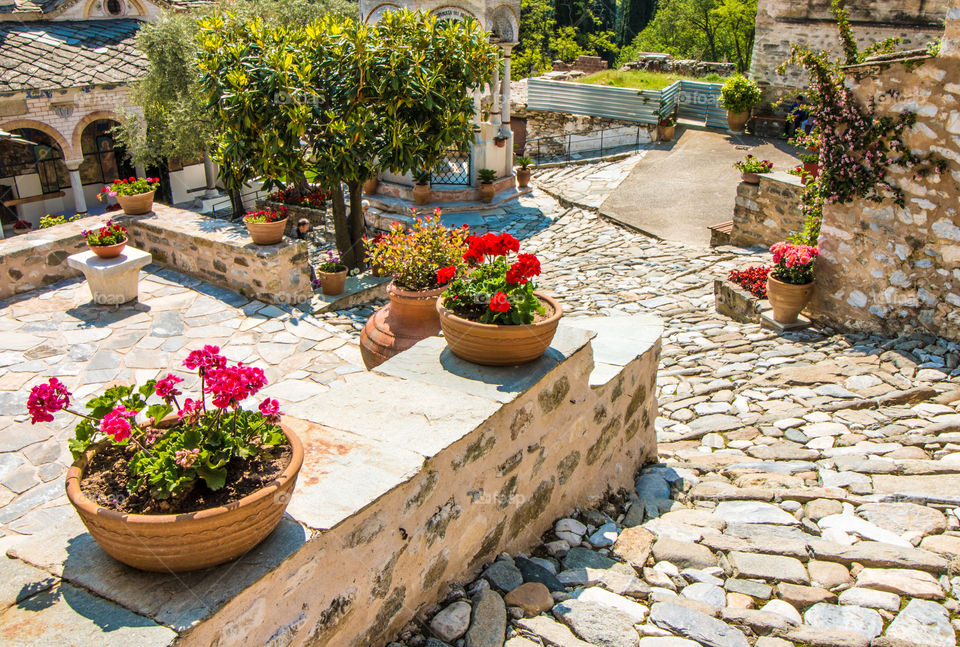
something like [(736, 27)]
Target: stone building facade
[(781, 23), (891, 269)]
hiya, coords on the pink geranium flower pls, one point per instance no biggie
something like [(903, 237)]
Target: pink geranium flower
[(116, 425), (47, 399)]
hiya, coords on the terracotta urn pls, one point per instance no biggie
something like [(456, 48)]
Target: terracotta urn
[(408, 318), (737, 120), (787, 300), (421, 193), (523, 178), (370, 186), (487, 191), (500, 345), (136, 205), (266, 233), (108, 251), (189, 541), (750, 178), (333, 283)]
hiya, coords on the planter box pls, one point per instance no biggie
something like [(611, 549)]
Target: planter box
[(736, 303)]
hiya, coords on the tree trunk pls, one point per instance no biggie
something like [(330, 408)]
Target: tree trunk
[(341, 231), (356, 223), (236, 203), (301, 186)]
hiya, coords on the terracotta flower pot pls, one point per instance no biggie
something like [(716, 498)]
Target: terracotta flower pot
[(523, 178), (737, 120), (108, 251), (666, 132), (191, 541), (750, 178), (266, 233), (370, 186), (813, 168), (19, 231), (499, 345), (332, 283), (421, 193), (136, 205), (408, 318), (487, 191), (500, 143), (787, 300)]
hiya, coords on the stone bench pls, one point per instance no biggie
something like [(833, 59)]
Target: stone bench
[(415, 476), (112, 281)]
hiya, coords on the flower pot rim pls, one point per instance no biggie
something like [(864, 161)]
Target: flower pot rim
[(80, 500), (272, 222), (135, 195), (122, 242), (557, 313), (393, 290)]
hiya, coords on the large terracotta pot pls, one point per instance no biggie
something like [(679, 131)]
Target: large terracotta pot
[(499, 345), (787, 300), (370, 186), (136, 205), (421, 193), (487, 191), (186, 542), (333, 283), (737, 120), (108, 251), (523, 177), (408, 318), (266, 233), (750, 178)]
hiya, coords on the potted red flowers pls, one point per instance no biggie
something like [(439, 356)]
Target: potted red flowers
[(422, 260), (790, 282), (493, 314), (266, 227), (752, 167), (22, 226), (165, 491), (107, 241), (135, 195)]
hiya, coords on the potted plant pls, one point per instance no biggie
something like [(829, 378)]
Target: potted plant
[(811, 163), (500, 141), (107, 241), (523, 173), (370, 186), (666, 126), (493, 315), (421, 187), (752, 167), (422, 260), (487, 190), (165, 491), (332, 274), (22, 226), (266, 227), (738, 95), (790, 282), (135, 195)]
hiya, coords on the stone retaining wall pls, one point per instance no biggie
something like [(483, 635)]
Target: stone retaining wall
[(554, 127), (584, 63), (414, 477), (891, 269), (768, 212)]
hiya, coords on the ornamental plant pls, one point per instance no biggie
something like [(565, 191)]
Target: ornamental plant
[(498, 289), (110, 234), (524, 162), (739, 94), (331, 263), (793, 263), (315, 198), (265, 216), (129, 186), (752, 164), (52, 221), (753, 279), (487, 175), (207, 441), (414, 257)]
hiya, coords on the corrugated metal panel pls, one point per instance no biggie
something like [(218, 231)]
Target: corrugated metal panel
[(593, 100), (698, 100)]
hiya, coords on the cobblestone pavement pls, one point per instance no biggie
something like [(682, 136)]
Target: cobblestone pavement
[(587, 185)]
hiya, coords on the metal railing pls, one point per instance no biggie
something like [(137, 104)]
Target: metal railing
[(583, 145)]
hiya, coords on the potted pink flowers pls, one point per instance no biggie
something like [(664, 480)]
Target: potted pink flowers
[(134, 194), (790, 282), (180, 484), (752, 167), (107, 241)]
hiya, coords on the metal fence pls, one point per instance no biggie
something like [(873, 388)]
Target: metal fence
[(693, 100), (583, 145), (453, 170)]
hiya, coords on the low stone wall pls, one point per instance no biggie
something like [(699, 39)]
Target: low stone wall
[(221, 253), (768, 212), (584, 63), (735, 302), (414, 477), (552, 128), (659, 62)]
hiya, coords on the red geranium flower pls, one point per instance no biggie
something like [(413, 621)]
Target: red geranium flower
[(500, 303), (446, 274)]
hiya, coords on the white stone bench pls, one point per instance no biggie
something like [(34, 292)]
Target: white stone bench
[(112, 281)]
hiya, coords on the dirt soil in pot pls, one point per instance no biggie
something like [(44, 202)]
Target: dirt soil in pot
[(106, 479), (476, 313)]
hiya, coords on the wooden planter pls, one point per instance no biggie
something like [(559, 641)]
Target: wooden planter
[(136, 205), (191, 541), (787, 300), (108, 251), (408, 318), (499, 345), (266, 233)]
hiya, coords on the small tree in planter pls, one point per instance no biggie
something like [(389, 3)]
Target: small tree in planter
[(487, 190), (738, 95), (790, 282), (186, 486)]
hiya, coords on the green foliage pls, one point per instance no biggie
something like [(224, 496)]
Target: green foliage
[(713, 30), (471, 295), (739, 94), (53, 221), (487, 175), (414, 256), (524, 162), (638, 79)]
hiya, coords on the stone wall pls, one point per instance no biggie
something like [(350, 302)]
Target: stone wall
[(781, 23), (552, 128), (584, 63), (768, 212), (891, 269)]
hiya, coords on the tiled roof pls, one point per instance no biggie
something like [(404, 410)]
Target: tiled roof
[(46, 55), (47, 6)]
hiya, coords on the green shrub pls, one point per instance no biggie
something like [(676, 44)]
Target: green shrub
[(739, 94)]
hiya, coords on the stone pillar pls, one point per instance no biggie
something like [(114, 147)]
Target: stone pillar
[(79, 201), (495, 97), (210, 175), (950, 45), (505, 91)]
